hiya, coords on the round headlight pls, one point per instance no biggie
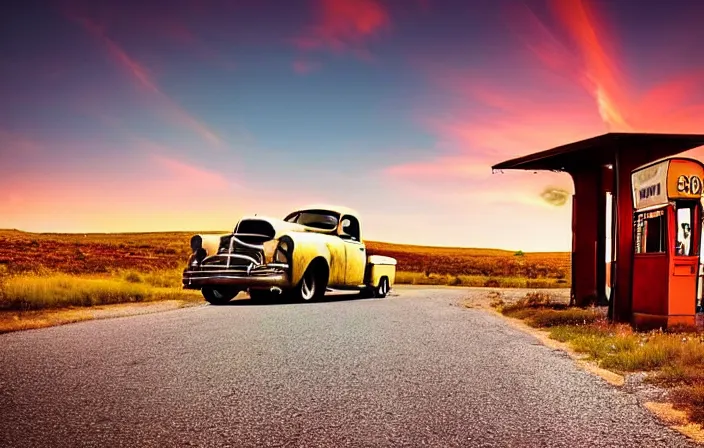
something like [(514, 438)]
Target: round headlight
[(200, 254), (196, 242)]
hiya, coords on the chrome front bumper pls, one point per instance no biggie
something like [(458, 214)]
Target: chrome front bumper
[(251, 276)]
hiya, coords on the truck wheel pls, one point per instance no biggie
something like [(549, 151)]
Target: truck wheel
[(367, 292), (218, 296), (312, 285), (382, 289)]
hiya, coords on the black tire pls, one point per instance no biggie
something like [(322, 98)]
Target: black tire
[(312, 285), (383, 288), (367, 292), (218, 296)]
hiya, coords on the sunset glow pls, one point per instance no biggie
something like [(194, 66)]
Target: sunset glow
[(185, 115)]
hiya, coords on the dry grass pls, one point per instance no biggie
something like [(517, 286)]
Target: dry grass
[(675, 360), (143, 253), (477, 263), (22, 252), (42, 271), (35, 292), (419, 278)]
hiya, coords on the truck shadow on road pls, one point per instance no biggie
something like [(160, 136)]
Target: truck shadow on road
[(282, 300)]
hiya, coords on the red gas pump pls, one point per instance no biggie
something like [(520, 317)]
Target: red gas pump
[(667, 230)]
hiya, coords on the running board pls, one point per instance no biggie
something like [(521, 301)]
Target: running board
[(346, 289)]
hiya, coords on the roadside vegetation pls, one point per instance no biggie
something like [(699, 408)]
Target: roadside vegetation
[(50, 270), (476, 267), (420, 278), (36, 291), (673, 358)]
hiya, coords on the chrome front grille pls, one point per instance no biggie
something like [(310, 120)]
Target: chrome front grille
[(235, 252), (256, 254)]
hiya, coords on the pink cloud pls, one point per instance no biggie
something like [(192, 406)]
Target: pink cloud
[(152, 189), (499, 122), (344, 25), (187, 173), (588, 56), (571, 87)]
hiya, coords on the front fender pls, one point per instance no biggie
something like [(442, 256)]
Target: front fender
[(306, 247)]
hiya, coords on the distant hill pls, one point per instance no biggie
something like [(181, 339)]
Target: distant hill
[(148, 251)]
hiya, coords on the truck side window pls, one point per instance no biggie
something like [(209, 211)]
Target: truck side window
[(350, 227)]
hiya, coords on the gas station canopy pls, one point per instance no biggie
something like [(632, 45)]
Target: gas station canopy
[(601, 167), (600, 150)]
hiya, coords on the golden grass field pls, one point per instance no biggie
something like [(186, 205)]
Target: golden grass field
[(42, 270)]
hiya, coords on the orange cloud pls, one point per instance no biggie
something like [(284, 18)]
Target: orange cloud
[(575, 88), (672, 105), (142, 77), (501, 121), (602, 72), (585, 59), (344, 25)]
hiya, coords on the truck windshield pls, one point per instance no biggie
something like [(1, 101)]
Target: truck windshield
[(315, 218)]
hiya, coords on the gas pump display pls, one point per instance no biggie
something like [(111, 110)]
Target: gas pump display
[(667, 230)]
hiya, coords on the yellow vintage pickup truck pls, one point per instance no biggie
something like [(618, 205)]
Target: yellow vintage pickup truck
[(312, 250)]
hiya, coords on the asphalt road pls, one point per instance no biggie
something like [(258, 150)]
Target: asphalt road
[(413, 369)]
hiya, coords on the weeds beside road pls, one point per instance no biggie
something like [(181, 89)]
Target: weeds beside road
[(671, 359), (58, 290)]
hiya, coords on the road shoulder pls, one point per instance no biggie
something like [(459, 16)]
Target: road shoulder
[(663, 410), (11, 321)]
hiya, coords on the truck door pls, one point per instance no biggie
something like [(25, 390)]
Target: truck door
[(356, 254)]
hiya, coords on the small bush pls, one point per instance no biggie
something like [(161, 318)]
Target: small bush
[(690, 398), (134, 277), (531, 300), (570, 316), (535, 299), (496, 299), (564, 333), (492, 283), (679, 375)]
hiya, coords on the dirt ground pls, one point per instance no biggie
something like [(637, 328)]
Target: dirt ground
[(482, 297)]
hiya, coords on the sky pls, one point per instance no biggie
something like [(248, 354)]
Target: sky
[(188, 114)]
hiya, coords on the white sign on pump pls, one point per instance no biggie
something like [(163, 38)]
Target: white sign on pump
[(650, 185)]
